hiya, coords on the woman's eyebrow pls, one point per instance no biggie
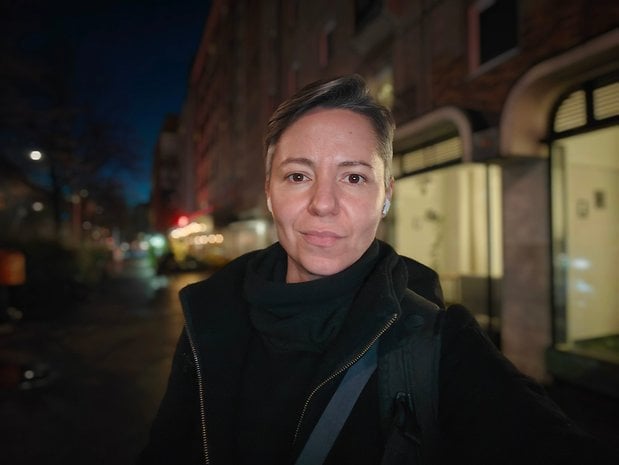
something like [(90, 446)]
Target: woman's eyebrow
[(297, 160), (308, 162), (356, 163)]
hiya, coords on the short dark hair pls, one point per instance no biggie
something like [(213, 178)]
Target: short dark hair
[(347, 93)]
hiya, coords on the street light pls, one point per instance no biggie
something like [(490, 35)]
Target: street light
[(36, 155)]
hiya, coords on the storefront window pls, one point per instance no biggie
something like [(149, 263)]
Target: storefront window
[(585, 227), (450, 220), (585, 203)]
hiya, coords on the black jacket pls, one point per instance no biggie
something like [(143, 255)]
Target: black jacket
[(488, 411)]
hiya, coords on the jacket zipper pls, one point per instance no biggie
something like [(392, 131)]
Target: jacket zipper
[(343, 368), (194, 352)]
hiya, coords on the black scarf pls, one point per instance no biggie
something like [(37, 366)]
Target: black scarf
[(301, 316)]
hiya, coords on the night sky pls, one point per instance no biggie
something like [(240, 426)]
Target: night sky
[(133, 59)]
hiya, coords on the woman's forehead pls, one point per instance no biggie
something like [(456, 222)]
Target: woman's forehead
[(341, 135)]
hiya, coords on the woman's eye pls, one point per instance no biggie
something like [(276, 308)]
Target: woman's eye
[(355, 178), (296, 177)]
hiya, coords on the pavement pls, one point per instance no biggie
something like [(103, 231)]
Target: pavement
[(96, 373), (82, 387)]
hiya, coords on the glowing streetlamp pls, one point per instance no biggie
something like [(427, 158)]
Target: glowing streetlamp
[(36, 155)]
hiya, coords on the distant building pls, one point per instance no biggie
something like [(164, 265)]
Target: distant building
[(506, 159), (186, 137), (165, 203)]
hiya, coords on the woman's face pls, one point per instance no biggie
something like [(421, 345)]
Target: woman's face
[(326, 192)]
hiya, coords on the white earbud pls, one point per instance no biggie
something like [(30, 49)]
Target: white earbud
[(269, 206), (386, 207)]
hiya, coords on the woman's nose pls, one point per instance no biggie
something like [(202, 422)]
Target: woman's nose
[(324, 199)]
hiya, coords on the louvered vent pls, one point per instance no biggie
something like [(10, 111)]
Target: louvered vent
[(412, 161), (572, 113), (450, 149), (432, 155), (606, 101)]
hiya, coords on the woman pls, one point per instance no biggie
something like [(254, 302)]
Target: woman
[(269, 339)]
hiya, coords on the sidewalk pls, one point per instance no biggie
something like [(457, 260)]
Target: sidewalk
[(109, 361)]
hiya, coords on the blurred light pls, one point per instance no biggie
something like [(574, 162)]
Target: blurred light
[(143, 245), (87, 225), (204, 239), (182, 220), (38, 206), (36, 155), (261, 228), (386, 94), (29, 374), (157, 241), (187, 230), (583, 287), (581, 264), (84, 193)]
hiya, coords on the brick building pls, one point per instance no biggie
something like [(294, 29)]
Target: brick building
[(506, 153)]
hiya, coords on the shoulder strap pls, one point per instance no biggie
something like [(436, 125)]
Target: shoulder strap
[(337, 410), (408, 375)]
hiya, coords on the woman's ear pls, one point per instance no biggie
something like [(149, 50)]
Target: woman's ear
[(269, 206)]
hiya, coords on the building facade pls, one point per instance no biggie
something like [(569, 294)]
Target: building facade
[(166, 198), (506, 152)]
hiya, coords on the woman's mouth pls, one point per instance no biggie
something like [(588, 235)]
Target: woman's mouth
[(321, 238)]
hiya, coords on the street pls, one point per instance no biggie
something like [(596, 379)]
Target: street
[(105, 368)]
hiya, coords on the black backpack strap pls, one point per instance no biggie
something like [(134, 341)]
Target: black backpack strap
[(408, 375), (338, 409)]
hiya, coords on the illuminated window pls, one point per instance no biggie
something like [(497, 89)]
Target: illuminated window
[(606, 101), (438, 154), (592, 104), (572, 113), (585, 204), (450, 220)]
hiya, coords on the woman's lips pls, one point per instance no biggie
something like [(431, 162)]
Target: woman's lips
[(321, 238)]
